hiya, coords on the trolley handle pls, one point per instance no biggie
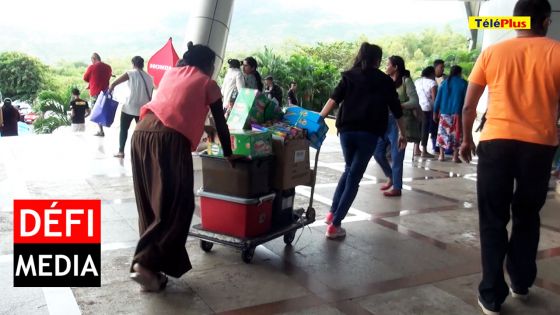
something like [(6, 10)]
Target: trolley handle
[(266, 198)]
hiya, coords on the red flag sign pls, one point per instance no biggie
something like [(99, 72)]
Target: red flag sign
[(164, 59)]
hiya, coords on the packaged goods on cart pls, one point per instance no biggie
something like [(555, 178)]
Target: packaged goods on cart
[(311, 121), (282, 131), (249, 143), (252, 107), (291, 152)]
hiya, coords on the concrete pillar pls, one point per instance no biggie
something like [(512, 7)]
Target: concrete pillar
[(505, 8), (209, 25)]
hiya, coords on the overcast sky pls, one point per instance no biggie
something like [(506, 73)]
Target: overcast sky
[(98, 22)]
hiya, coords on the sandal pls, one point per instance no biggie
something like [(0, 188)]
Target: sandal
[(163, 280), (148, 280), (427, 155), (99, 134), (119, 155)]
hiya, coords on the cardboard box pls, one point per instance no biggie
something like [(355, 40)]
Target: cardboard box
[(241, 109), (246, 179), (252, 107), (297, 115), (310, 121), (316, 140), (245, 143), (291, 163), (251, 143), (264, 110)]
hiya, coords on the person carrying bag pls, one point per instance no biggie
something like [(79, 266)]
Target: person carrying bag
[(141, 86), (105, 109)]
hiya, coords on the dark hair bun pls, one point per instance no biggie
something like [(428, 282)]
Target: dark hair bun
[(234, 63), (190, 45)]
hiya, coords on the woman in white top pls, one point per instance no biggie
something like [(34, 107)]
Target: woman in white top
[(426, 87), (141, 86), (233, 82)]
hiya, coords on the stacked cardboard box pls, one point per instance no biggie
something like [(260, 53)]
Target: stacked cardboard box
[(246, 143), (311, 121), (252, 107)]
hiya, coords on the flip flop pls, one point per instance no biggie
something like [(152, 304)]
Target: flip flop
[(148, 282)]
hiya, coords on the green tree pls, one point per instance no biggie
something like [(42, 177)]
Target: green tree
[(21, 76), (271, 64), (316, 69), (52, 108), (419, 50), (339, 54)]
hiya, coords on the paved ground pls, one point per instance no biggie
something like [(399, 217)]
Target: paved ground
[(414, 255)]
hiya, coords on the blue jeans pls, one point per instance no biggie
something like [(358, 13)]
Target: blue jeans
[(357, 147), (397, 156)]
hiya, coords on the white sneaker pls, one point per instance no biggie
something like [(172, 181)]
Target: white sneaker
[(522, 297), (335, 232), (485, 310)]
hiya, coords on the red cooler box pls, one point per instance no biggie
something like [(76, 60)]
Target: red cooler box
[(235, 216)]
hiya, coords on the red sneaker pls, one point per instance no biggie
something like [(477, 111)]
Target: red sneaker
[(393, 193), (329, 218), (334, 232)]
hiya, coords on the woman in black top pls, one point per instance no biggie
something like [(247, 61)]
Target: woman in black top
[(365, 95)]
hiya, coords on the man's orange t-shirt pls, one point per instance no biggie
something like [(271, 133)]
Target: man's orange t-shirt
[(523, 78)]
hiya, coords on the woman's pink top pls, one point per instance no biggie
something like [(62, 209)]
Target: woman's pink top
[(183, 100)]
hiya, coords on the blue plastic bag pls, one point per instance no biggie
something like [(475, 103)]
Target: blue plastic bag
[(104, 109)]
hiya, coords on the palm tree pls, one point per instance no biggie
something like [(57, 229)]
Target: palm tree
[(52, 108)]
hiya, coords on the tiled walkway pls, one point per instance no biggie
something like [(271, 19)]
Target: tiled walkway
[(413, 255)]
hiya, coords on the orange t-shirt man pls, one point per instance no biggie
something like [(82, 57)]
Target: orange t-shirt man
[(523, 89)]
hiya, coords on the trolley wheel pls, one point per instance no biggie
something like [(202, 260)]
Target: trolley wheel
[(206, 246), (289, 237), (247, 254), (310, 214)]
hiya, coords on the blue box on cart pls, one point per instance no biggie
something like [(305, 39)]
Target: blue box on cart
[(309, 120)]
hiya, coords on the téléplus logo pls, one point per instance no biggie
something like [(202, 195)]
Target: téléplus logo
[(499, 22), (57, 243)]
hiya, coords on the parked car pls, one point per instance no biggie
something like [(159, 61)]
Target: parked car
[(26, 113), (30, 118)]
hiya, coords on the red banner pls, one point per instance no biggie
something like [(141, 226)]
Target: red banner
[(164, 59)]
